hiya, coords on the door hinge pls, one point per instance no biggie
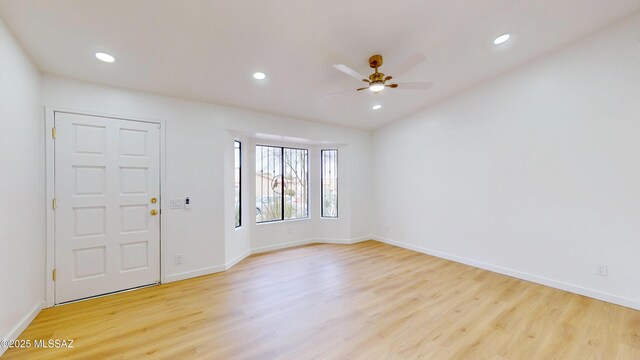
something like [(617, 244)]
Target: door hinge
[(53, 274), (53, 132), (54, 204)]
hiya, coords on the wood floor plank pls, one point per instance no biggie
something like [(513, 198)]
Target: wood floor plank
[(364, 301)]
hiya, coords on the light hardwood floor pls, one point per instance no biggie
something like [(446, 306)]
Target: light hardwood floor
[(364, 301)]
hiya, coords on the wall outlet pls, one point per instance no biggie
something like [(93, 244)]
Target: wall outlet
[(177, 260), (602, 270), (176, 203)]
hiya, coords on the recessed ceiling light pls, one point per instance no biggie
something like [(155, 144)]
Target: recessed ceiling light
[(377, 107), (501, 39), (105, 57), (259, 76)]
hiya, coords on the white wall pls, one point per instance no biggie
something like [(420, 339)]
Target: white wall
[(22, 213), (535, 174), (237, 240), (199, 146), (270, 236)]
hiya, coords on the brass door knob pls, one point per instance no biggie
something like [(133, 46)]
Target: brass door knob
[(154, 200), (154, 212)]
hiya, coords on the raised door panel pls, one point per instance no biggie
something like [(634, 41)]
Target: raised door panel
[(106, 172)]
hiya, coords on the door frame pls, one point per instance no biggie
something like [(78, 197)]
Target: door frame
[(49, 117)]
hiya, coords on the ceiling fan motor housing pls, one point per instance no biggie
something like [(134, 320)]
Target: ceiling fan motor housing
[(375, 62), (376, 77)]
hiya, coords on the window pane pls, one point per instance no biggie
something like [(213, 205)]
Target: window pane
[(268, 183), (238, 160), (295, 184), (329, 187)]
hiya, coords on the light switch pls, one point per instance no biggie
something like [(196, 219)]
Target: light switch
[(176, 203)]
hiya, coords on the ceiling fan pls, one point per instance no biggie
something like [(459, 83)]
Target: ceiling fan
[(377, 81)]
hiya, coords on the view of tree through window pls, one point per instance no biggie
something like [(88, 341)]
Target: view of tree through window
[(238, 160), (329, 183), (295, 183), (281, 183)]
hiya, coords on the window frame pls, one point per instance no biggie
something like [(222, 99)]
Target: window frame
[(282, 182), (322, 215), (239, 143)]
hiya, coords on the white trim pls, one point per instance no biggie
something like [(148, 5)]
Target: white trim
[(50, 192), (573, 288), (333, 241), (342, 241), (239, 258), (361, 239), (262, 249), (282, 221), (50, 189), (22, 324), (228, 265), (194, 273), (164, 205)]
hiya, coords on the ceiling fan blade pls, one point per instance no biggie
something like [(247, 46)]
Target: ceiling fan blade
[(411, 62), (415, 85), (364, 88), (349, 71), (339, 93)]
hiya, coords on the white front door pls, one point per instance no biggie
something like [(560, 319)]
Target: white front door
[(107, 190)]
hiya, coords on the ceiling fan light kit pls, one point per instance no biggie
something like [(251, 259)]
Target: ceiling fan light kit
[(376, 87), (377, 81)]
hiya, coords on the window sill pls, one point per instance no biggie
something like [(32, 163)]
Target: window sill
[(329, 218), (282, 221)]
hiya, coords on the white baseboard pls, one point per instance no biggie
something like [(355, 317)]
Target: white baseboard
[(262, 249), (194, 273), (573, 288), (361, 239), (230, 264), (342, 241), (239, 258), (22, 324)]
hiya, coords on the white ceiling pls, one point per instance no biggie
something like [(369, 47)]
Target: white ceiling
[(208, 50)]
